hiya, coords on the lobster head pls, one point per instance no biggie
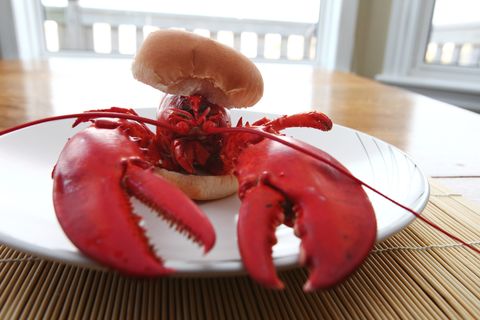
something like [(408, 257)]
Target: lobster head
[(192, 114), (188, 149)]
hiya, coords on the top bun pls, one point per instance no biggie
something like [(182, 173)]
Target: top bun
[(184, 63)]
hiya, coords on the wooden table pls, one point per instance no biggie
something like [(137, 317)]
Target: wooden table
[(416, 273), (441, 138)]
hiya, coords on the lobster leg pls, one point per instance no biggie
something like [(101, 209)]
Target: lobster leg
[(97, 172), (187, 151), (183, 155), (310, 119), (331, 211)]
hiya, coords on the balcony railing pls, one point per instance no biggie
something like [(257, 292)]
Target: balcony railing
[(457, 45), (79, 30)]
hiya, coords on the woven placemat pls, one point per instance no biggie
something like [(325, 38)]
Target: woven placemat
[(418, 273)]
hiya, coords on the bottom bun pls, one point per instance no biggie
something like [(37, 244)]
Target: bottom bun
[(201, 187)]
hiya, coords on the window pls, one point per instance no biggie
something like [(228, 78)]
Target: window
[(302, 31), (455, 34), (118, 27), (420, 56)]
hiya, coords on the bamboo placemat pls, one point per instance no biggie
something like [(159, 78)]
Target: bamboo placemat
[(418, 273)]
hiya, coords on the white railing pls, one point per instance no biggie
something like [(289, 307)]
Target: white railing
[(455, 45), (110, 32)]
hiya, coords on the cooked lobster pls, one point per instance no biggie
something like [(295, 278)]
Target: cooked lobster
[(280, 180), (113, 159)]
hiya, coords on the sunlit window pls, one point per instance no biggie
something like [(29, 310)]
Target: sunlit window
[(269, 29), (249, 44), (273, 42), (127, 39), (225, 37), (102, 38), (51, 38), (455, 34), (295, 47)]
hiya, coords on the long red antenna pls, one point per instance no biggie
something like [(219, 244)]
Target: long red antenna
[(89, 115), (280, 139)]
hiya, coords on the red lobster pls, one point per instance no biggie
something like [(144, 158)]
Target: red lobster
[(280, 181)]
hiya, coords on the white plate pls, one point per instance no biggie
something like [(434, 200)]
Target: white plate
[(28, 222)]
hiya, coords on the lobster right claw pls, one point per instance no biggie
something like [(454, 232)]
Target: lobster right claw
[(332, 214)]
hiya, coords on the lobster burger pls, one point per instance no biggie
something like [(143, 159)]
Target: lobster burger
[(199, 72)]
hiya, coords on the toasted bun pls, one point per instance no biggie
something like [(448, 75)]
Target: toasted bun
[(184, 63), (201, 187)]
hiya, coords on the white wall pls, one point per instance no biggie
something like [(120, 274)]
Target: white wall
[(370, 37)]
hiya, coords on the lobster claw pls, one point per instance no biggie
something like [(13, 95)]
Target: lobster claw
[(97, 172), (327, 209)]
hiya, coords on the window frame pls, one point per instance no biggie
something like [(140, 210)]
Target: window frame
[(336, 34), (404, 62), (22, 37), (21, 30)]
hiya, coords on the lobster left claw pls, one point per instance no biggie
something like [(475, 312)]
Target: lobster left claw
[(328, 211), (98, 171)]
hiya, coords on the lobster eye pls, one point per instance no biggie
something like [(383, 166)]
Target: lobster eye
[(203, 106), (185, 104)]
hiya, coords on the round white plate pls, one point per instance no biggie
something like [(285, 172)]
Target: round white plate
[(28, 221)]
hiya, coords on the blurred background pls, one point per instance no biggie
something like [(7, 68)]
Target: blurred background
[(431, 47)]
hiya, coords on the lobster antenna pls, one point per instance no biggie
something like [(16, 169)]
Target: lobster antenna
[(89, 115)]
